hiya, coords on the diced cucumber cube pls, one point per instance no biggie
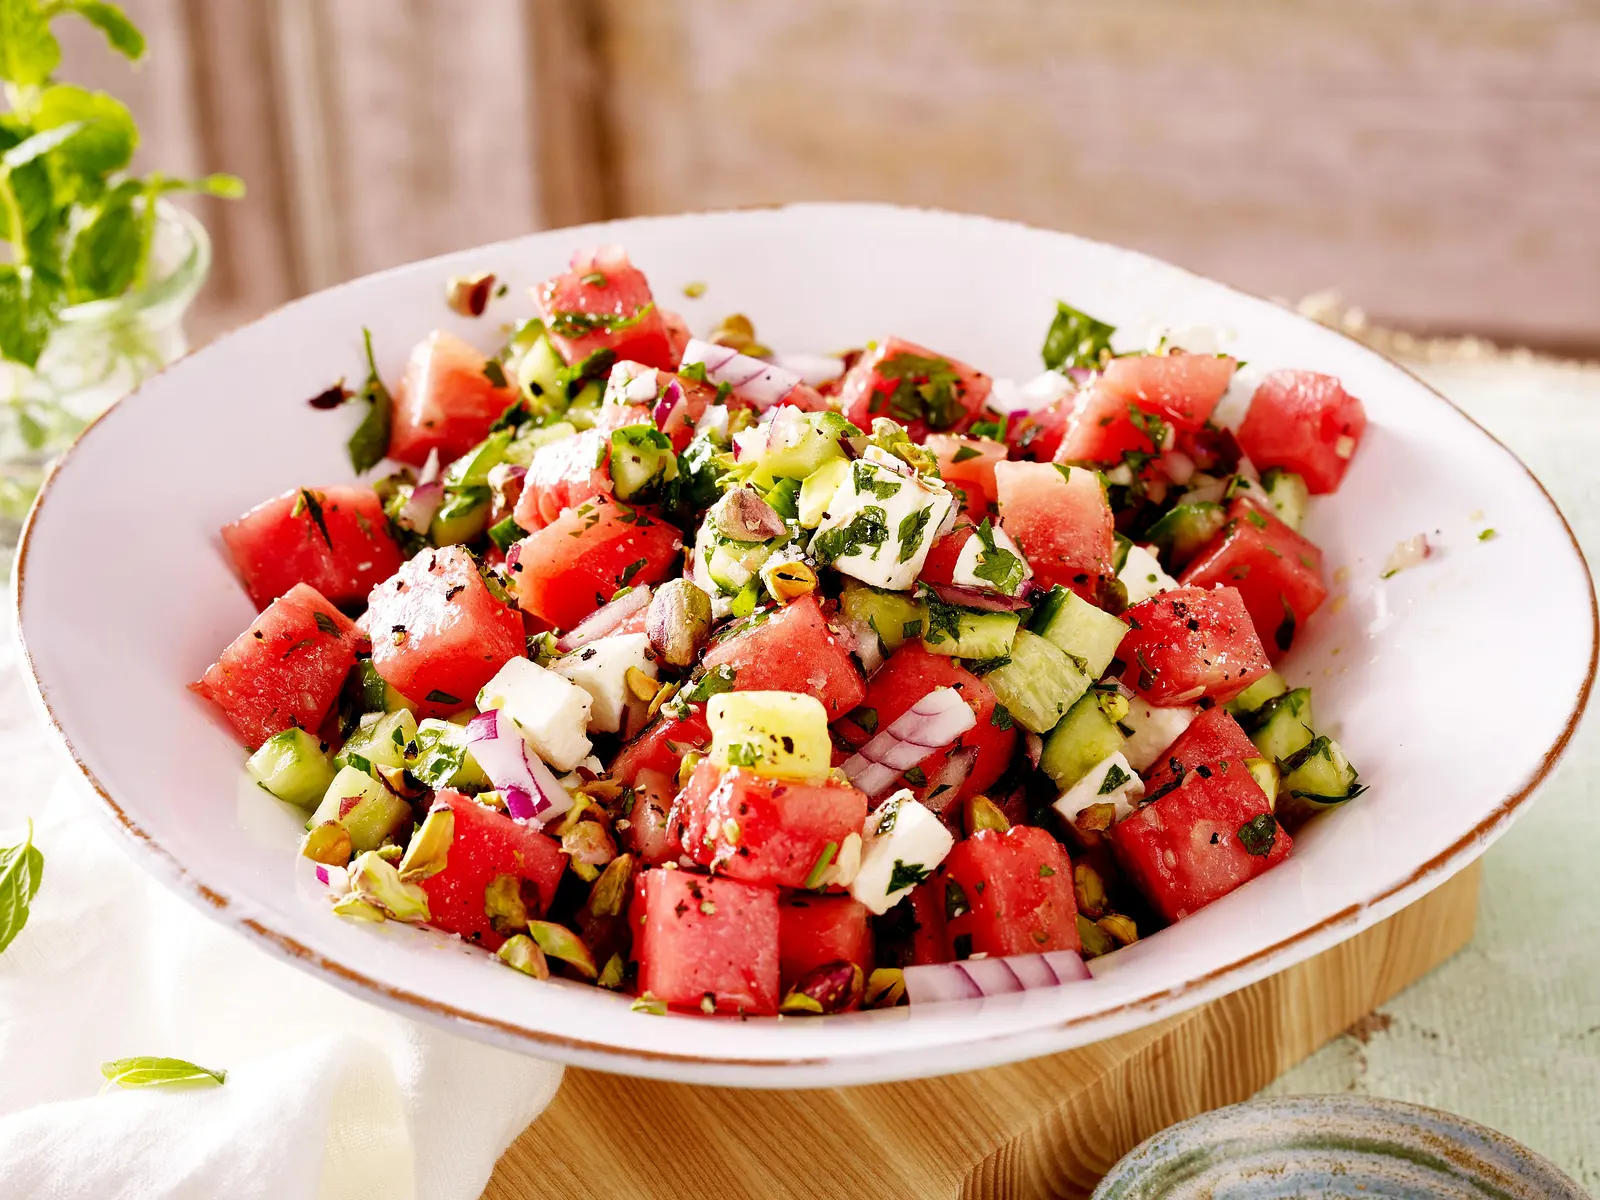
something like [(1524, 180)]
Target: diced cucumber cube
[(1265, 772), (1083, 739), (1288, 495), (443, 759), (531, 438), (370, 692), (976, 634), (818, 489), (1089, 634), (798, 443), (1039, 684), (369, 811), (1258, 693), (642, 461), (472, 468), (293, 766), (463, 516), (783, 734), (381, 740), (1183, 532), (1281, 727), (539, 375), (893, 616)]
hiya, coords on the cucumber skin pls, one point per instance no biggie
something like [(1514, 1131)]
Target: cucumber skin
[(1281, 728), (1085, 738), (377, 815), (888, 612), (293, 767), (1040, 683), (1089, 634), (981, 635)]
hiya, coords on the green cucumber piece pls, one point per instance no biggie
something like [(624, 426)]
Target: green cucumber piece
[(642, 461), (1315, 779), (462, 517), (443, 760), (531, 438), (374, 692), (293, 766), (785, 498), (370, 813), (381, 740), (1281, 727), (1084, 738), (977, 634), (1258, 693), (1088, 634), (1183, 532), (799, 443), (1039, 684), (818, 490), (893, 616), (539, 375), (472, 468), (1288, 494)]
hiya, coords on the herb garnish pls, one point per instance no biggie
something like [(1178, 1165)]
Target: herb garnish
[(926, 389), (370, 442), (889, 814), (944, 620), (713, 682), (955, 900), (438, 697), (326, 624), (867, 479), (1001, 717), (906, 875), (1115, 778), (964, 453), (148, 1071), (1075, 339), (867, 718), (311, 502), (869, 527), (1258, 835), (495, 373), (1285, 634), (576, 325), (997, 565), (912, 527), (916, 777), (21, 869), (820, 867)]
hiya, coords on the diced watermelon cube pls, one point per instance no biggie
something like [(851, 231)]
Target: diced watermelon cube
[(445, 401), (568, 472), (604, 303), (438, 634), (791, 649), (1276, 571), (1191, 642), (1201, 840), (966, 464), (1061, 519), (707, 944), (1009, 893), (814, 931), (1101, 428), (574, 565), (1181, 389), (1210, 738), (911, 384), (488, 844), (928, 943), (1306, 423), (646, 827), (662, 745), (285, 671), (764, 830), (1037, 435), (281, 543)]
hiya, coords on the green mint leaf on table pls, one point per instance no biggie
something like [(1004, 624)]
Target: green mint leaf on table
[(370, 442), (150, 1071), (1258, 835), (1075, 339), (906, 875), (21, 870)]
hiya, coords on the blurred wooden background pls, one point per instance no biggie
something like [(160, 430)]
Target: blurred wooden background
[(1435, 161)]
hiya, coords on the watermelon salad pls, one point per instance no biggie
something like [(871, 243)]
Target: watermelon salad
[(753, 684)]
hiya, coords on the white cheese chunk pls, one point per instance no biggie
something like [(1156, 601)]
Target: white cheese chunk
[(998, 569), (552, 712), (1125, 789), (880, 525), (601, 669), (902, 844), (1142, 575), (631, 383), (1154, 729), (1039, 392)]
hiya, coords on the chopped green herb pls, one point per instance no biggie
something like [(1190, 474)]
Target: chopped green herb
[(1115, 778), (1255, 518), (1075, 339), (1285, 633), (712, 683), (964, 453), (889, 815), (905, 875), (438, 697), (1001, 717), (916, 777), (632, 569), (594, 279), (912, 527), (694, 372), (944, 620), (1258, 835), (309, 501), (820, 868), (997, 565), (1487, 535), (955, 900), (370, 442), (1046, 870), (867, 718), (576, 325), (868, 478), (744, 754), (869, 527), (911, 629), (495, 373), (982, 666), (926, 389), (148, 1071), (326, 624)]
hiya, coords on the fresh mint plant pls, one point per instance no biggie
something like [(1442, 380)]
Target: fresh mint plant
[(78, 225)]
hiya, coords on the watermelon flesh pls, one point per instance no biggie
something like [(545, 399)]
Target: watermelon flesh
[(706, 944), (792, 649), (444, 402), (281, 543), (814, 931)]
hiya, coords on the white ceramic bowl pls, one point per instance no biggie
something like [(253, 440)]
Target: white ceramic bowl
[(1454, 686)]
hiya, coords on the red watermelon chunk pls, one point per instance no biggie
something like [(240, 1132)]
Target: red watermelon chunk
[(285, 671), (646, 827), (924, 391), (1278, 572), (1061, 520), (707, 944), (1009, 893), (1101, 428), (1201, 840), (281, 543), (1211, 737), (1037, 435), (604, 303), (487, 844), (764, 830), (438, 634), (662, 745), (444, 402), (966, 464), (791, 649), (1305, 423), (575, 564), (1181, 389), (928, 943), (814, 931), (1191, 642), (908, 675)]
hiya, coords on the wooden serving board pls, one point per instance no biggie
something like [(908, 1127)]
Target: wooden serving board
[(1048, 1127)]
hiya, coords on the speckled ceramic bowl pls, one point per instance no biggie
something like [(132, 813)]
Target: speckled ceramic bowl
[(1330, 1147)]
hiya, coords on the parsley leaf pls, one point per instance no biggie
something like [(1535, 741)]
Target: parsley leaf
[(438, 697), (311, 501), (326, 624), (906, 875), (1075, 339), (21, 870), (869, 527), (912, 527), (370, 442), (712, 683), (1258, 835), (1115, 778), (873, 480), (995, 564), (944, 620), (926, 388)]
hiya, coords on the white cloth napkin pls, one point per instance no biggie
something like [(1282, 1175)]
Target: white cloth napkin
[(326, 1096)]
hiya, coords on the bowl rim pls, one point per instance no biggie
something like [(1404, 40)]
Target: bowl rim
[(1218, 981)]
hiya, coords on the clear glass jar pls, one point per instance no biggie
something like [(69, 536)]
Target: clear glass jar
[(98, 353)]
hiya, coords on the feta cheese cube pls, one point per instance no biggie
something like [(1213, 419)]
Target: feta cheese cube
[(552, 712), (1111, 781), (1041, 391), (880, 525), (1142, 575), (1154, 729), (601, 669), (990, 549), (631, 383), (902, 844)]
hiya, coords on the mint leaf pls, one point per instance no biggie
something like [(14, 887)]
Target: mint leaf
[(29, 52), (28, 305), (122, 34), (1075, 339), (104, 143), (105, 255), (370, 442), (21, 869), (149, 1071)]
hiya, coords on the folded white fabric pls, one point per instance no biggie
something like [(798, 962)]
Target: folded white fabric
[(326, 1096)]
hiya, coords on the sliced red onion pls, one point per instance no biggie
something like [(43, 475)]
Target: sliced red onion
[(813, 369), (669, 401), (944, 786), (416, 514), (430, 467), (973, 978), (929, 725), (965, 597), (603, 620), (760, 384), (499, 748), (1179, 467), (1035, 745), (849, 445)]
